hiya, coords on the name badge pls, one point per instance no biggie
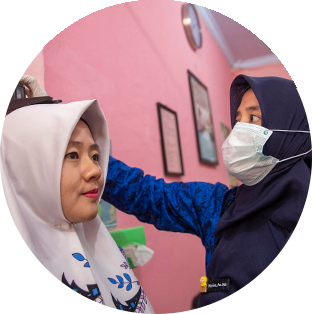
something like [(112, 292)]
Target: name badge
[(216, 285)]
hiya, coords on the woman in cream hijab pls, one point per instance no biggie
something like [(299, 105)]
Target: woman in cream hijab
[(54, 160)]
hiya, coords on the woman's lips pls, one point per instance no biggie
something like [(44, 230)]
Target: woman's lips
[(92, 194)]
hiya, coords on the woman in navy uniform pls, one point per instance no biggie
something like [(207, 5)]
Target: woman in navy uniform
[(244, 228)]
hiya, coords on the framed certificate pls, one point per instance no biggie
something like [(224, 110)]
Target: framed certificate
[(170, 141), (206, 142)]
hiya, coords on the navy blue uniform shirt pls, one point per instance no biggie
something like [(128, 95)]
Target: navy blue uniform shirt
[(242, 229), (196, 208), (193, 207)]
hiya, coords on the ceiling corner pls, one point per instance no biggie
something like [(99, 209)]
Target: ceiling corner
[(272, 58), (212, 25)]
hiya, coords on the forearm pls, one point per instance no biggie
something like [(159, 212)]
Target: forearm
[(179, 207)]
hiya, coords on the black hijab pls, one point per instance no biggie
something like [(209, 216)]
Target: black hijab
[(282, 193), (259, 221)]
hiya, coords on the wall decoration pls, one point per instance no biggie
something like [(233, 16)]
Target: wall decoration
[(170, 140), (225, 131), (191, 26), (206, 143)]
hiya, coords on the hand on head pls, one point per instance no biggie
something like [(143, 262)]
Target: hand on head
[(33, 89)]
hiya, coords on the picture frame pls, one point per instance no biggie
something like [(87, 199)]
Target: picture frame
[(203, 120), (170, 141)]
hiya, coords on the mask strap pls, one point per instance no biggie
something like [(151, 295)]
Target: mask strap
[(298, 131), (293, 131), (296, 156)]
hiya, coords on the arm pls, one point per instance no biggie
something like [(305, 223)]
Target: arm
[(179, 207)]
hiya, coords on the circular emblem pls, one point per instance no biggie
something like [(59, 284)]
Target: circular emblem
[(299, 289), (203, 280)]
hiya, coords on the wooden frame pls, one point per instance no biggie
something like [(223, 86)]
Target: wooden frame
[(170, 141), (206, 143)]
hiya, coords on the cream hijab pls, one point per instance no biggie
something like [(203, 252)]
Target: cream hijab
[(83, 256)]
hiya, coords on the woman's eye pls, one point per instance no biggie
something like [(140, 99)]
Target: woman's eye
[(72, 155), (95, 157), (254, 118)]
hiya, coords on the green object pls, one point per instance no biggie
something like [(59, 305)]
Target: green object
[(124, 237), (99, 209)]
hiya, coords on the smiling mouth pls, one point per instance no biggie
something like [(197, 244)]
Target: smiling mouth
[(92, 194)]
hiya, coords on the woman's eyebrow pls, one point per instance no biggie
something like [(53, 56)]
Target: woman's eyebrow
[(74, 143), (253, 108), (95, 147), (250, 108), (79, 144)]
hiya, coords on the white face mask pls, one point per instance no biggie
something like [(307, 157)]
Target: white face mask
[(243, 152)]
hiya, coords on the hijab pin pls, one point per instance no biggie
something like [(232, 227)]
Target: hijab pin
[(203, 284)]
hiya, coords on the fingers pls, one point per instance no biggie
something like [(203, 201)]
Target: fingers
[(35, 90), (23, 79), (28, 92)]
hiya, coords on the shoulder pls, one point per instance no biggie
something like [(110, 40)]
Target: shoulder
[(229, 198)]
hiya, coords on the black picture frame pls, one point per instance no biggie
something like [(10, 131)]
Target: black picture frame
[(203, 120), (170, 141)]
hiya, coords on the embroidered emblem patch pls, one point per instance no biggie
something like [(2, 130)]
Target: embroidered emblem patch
[(203, 284), (299, 289)]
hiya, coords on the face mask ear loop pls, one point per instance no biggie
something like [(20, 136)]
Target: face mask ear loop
[(297, 131), (296, 156), (290, 131)]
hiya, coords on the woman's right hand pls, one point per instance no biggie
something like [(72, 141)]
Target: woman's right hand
[(32, 88)]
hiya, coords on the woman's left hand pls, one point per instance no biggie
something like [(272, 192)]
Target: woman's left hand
[(32, 87)]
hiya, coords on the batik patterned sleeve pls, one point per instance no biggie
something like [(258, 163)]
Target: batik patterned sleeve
[(193, 207)]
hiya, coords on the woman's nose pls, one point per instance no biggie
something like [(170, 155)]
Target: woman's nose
[(91, 170), (245, 118)]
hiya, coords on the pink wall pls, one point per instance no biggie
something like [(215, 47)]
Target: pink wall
[(274, 69), (130, 57), (21, 38)]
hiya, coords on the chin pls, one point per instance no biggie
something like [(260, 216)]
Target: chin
[(92, 214), (83, 213)]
